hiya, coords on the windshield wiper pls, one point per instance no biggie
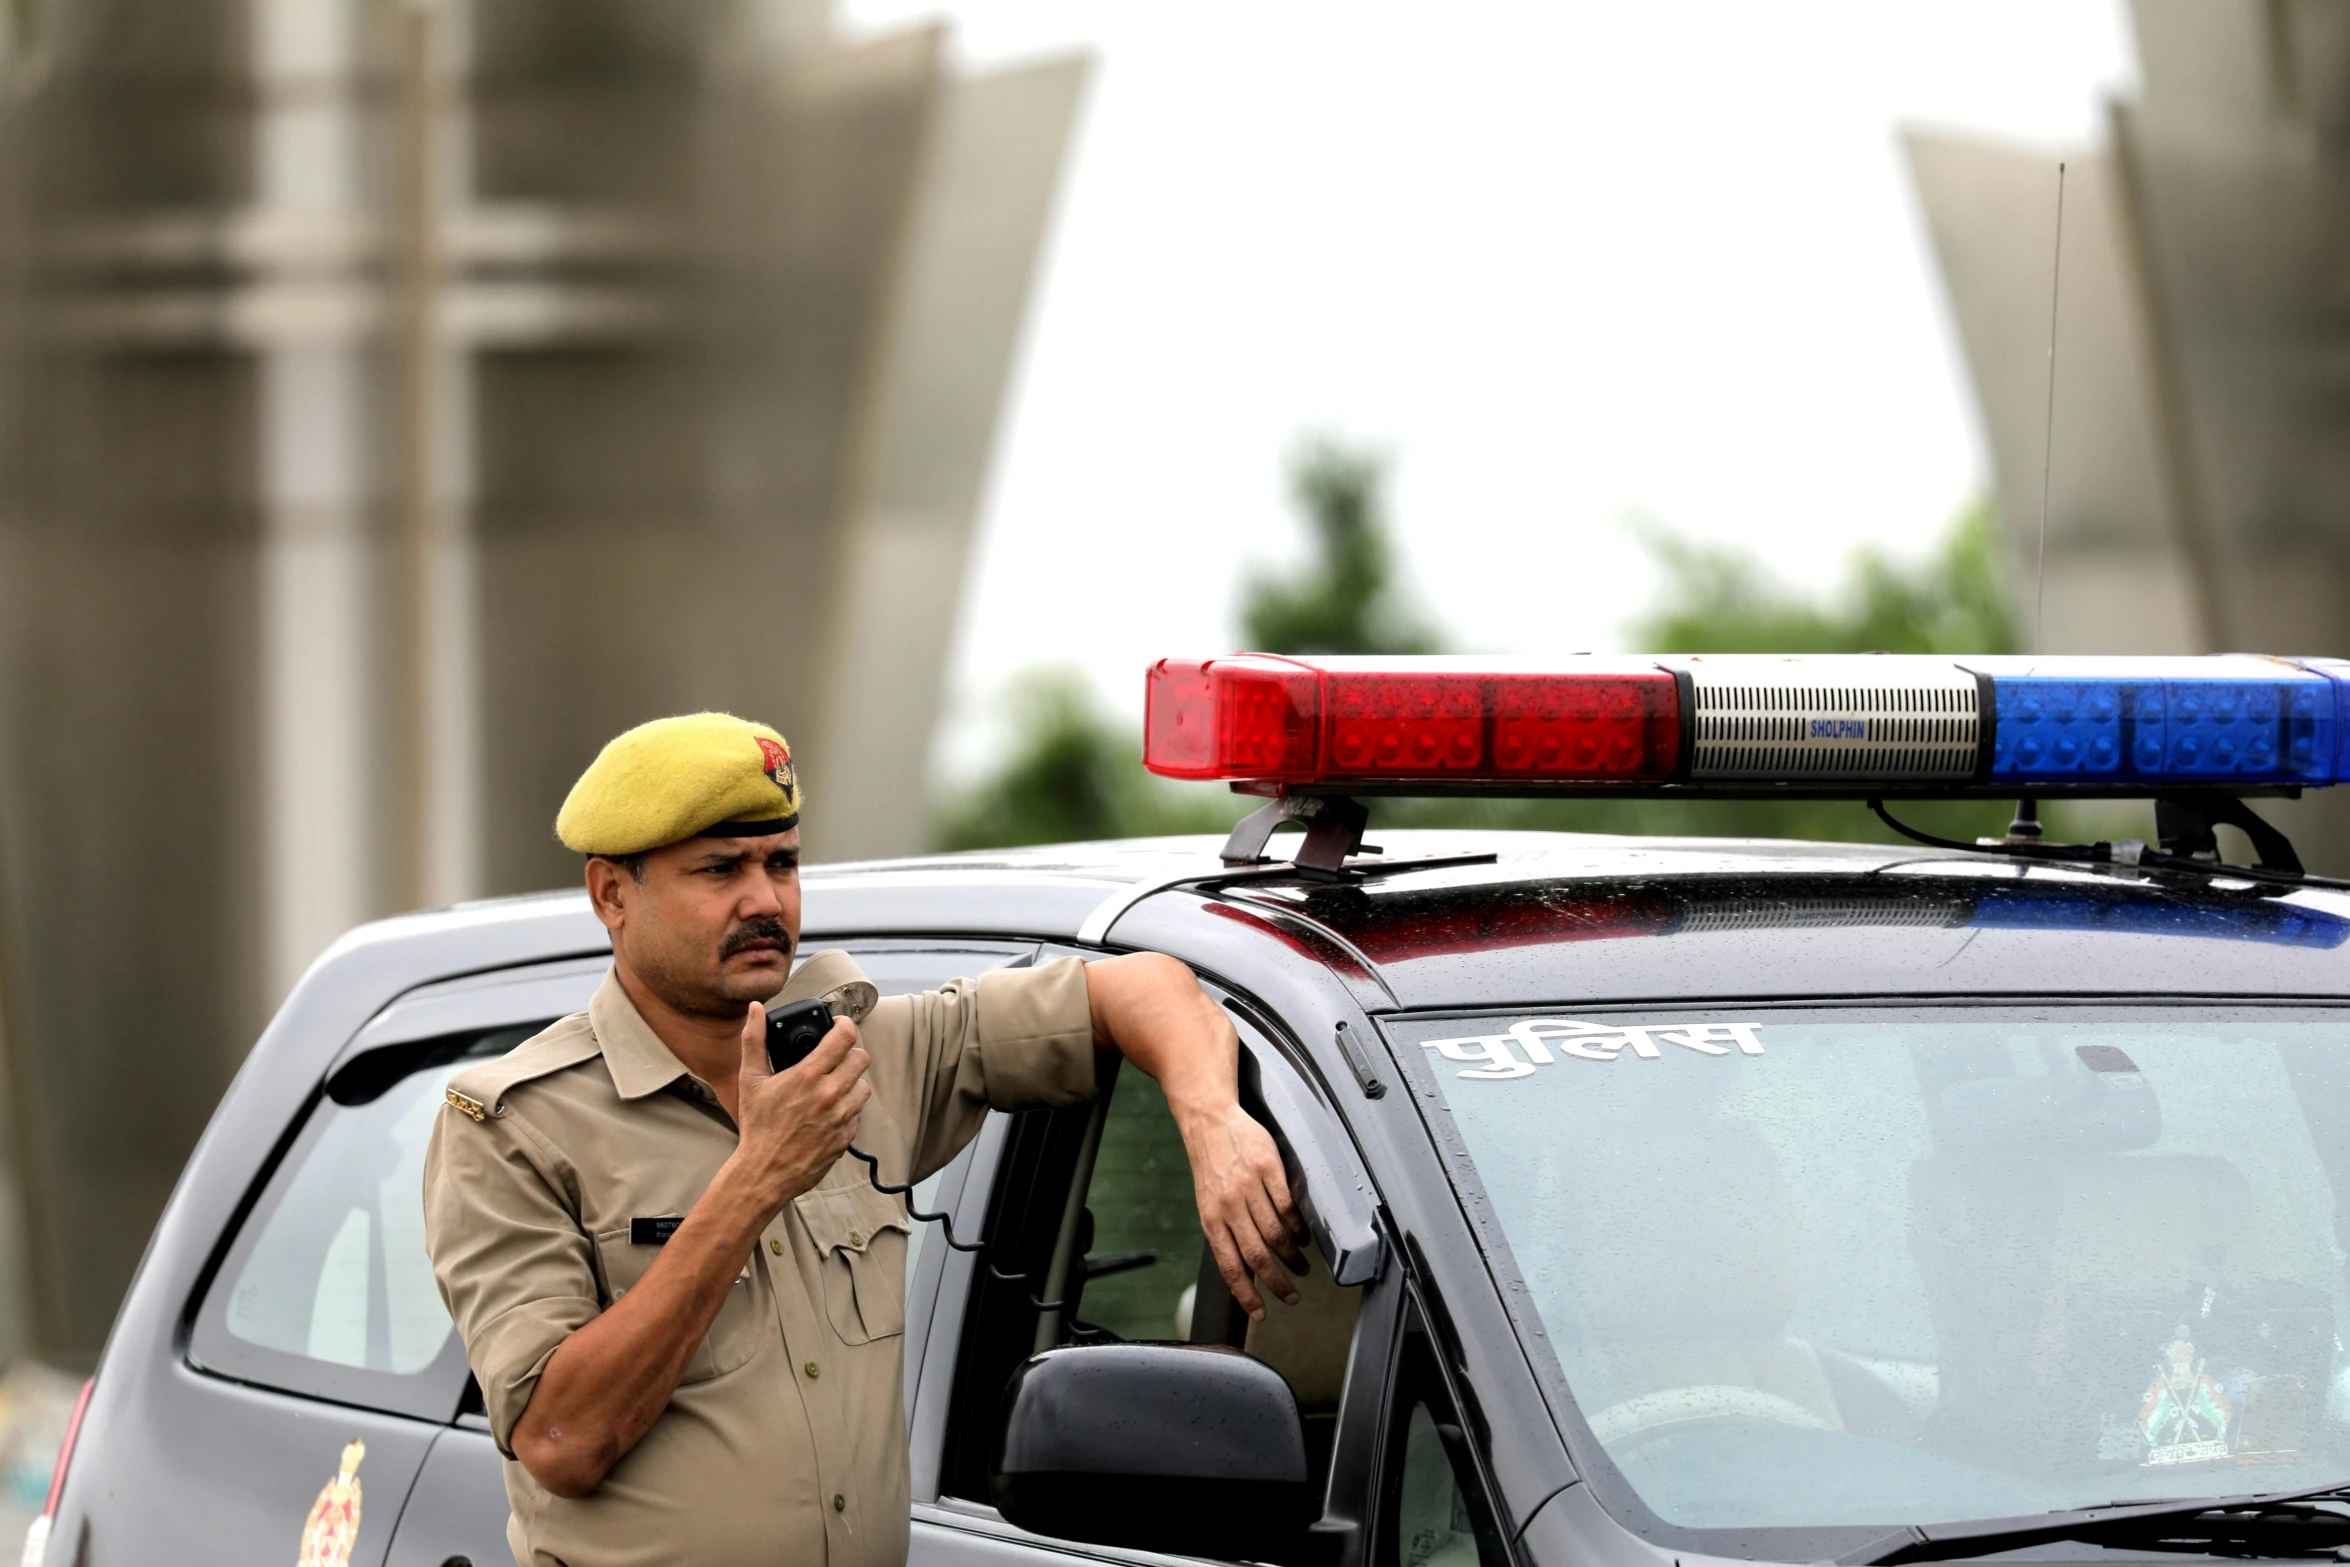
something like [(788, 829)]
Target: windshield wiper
[(2264, 1524)]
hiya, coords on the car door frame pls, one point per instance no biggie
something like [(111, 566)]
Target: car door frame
[(1350, 1233)]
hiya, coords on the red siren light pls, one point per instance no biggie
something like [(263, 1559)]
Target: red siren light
[(1256, 717)]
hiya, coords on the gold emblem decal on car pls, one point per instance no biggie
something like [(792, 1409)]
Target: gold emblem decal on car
[(333, 1526)]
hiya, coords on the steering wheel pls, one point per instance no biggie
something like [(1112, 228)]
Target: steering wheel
[(1654, 1413)]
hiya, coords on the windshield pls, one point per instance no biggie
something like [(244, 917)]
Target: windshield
[(1879, 1267)]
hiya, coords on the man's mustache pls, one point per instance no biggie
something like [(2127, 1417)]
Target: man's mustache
[(756, 930)]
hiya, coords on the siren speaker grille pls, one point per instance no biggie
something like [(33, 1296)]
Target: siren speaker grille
[(1756, 723)]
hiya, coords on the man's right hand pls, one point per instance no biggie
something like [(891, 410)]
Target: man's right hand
[(795, 1125)]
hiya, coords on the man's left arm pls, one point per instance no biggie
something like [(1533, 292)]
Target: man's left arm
[(1152, 1009), (1018, 1038)]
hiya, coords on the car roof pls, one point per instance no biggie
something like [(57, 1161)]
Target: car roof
[(1524, 917), (1707, 920)]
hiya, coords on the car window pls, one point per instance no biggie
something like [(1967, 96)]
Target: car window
[(1144, 1273), (338, 1271), (1868, 1267), (1141, 1202), (1141, 1238), (1434, 1512), (1146, 1261), (328, 1289)]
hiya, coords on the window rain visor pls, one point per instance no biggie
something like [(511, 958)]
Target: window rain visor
[(1863, 1268)]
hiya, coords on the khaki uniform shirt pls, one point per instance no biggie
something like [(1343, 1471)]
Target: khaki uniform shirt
[(785, 1439)]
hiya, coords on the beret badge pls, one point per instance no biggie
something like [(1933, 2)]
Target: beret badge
[(777, 759)]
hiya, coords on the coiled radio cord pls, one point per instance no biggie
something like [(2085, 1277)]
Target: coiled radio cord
[(946, 1228)]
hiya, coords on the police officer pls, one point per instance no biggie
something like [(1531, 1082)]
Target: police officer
[(684, 1305)]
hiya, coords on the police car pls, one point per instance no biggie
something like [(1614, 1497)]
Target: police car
[(1672, 1200)]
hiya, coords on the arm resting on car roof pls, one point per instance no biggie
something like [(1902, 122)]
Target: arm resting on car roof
[(1153, 1010)]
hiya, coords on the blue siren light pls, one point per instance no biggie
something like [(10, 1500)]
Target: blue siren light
[(2226, 720)]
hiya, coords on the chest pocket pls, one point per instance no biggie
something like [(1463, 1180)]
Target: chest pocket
[(733, 1337), (860, 1237)]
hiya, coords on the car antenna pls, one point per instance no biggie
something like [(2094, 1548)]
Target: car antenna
[(2026, 826), (2048, 422)]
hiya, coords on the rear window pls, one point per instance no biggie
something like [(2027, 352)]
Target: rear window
[(328, 1290)]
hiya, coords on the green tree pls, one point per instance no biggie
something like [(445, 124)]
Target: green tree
[(1718, 599), (1344, 599), (1076, 777)]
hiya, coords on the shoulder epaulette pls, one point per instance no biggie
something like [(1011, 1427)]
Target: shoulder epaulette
[(480, 1092), (834, 977)]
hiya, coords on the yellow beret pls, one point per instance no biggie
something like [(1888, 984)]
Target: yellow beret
[(704, 775)]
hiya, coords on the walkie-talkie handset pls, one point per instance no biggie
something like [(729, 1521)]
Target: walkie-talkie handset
[(793, 1032)]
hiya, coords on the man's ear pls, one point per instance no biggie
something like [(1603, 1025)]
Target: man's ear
[(608, 890)]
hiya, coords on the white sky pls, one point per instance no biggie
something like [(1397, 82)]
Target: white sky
[(1565, 262)]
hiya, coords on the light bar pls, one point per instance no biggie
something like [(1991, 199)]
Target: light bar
[(1808, 723)]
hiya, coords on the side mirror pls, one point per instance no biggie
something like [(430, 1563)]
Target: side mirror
[(1190, 1449)]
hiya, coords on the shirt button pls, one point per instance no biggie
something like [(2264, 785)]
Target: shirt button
[(856, 1239), (810, 1368), (840, 1503), (775, 1247)]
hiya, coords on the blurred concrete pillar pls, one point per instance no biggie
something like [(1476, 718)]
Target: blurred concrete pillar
[(312, 334), (139, 586), (959, 302), (2200, 482), (400, 397), (2117, 579), (2237, 167)]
